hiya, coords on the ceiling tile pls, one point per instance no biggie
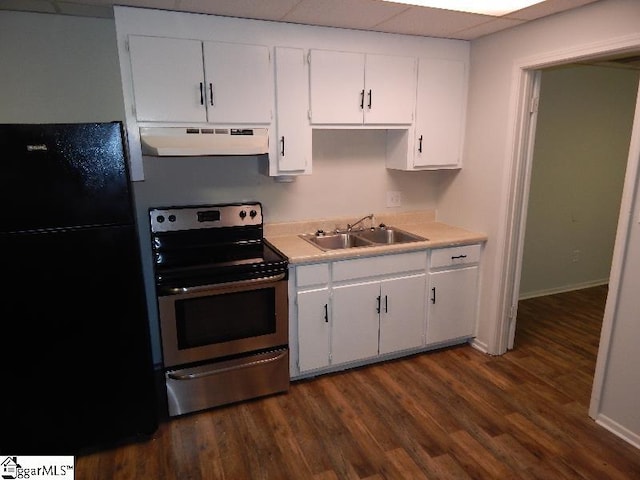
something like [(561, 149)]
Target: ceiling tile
[(357, 14), (432, 22), (492, 26), (257, 9), (375, 15), (157, 4), (548, 7)]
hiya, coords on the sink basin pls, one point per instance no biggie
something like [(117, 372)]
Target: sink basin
[(389, 236), (336, 241), (361, 238)]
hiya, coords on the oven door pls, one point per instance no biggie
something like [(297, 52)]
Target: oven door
[(214, 321)]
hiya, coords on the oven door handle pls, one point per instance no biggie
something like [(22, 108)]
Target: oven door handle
[(215, 371), (239, 283)]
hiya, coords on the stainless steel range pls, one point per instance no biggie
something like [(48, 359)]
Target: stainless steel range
[(223, 305)]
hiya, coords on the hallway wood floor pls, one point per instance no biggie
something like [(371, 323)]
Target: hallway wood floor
[(450, 414)]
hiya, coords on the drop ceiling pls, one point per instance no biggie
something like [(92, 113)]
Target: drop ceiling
[(373, 15)]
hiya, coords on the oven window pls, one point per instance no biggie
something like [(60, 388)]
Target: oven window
[(225, 317)]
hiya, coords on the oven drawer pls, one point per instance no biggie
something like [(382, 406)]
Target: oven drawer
[(220, 383)]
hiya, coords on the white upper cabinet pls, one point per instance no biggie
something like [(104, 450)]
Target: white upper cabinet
[(179, 80), (239, 83), (354, 88), (293, 132), (440, 113), (168, 84)]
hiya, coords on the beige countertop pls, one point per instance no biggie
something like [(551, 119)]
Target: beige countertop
[(284, 236)]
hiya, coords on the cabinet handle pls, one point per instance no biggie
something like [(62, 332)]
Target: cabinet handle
[(456, 257), (282, 146), (386, 304), (433, 297), (211, 93), (362, 100), (201, 93), (378, 307), (326, 313), (420, 144), (370, 98)]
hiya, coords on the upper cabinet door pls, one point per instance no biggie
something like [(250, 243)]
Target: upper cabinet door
[(356, 88), (292, 106), (441, 106), (337, 87), (390, 89), (239, 83), (167, 79)]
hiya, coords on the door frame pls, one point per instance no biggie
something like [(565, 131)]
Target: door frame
[(526, 85)]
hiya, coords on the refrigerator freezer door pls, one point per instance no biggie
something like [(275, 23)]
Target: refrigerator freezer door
[(63, 175), (79, 372)]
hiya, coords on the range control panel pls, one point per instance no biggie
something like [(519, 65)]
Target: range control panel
[(193, 217)]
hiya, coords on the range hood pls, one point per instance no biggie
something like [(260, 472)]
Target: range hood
[(203, 141)]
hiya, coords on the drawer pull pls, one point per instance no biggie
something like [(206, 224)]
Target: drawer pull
[(456, 257)]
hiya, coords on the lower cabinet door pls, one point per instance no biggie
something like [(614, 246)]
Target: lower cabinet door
[(313, 329), (452, 304), (402, 313), (355, 322)]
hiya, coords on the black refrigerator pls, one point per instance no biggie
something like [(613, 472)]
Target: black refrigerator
[(75, 355)]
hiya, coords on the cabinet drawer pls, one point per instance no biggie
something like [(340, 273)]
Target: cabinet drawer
[(308, 275), (452, 256), (379, 265)]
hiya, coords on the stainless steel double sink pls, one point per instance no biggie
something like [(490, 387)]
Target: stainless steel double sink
[(372, 237)]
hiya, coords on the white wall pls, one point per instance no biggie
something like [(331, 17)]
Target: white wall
[(579, 161), (479, 196), (56, 68)]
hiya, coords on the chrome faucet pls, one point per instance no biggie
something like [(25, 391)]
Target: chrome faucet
[(350, 226)]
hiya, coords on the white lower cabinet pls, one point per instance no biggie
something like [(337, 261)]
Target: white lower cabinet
[(453, 293), (374, 318), (355, 322), (355, 310), (313, 328), (402, 313)]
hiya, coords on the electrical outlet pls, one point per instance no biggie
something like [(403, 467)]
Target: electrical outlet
[(394, 199), (575, 256)]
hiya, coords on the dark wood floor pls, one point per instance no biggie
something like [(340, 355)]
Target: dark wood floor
[(451, 414)]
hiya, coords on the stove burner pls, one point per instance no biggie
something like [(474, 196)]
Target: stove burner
[(210, 244)]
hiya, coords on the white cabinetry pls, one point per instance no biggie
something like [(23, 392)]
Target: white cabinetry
[(293, 132), (438, 135), (313, 310), (355, 310), (180, 80), (453, 293), (355, 88), (374, 318), (355, 322)]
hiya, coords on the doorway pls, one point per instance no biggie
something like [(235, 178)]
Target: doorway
[(583, 129), (527, 75)]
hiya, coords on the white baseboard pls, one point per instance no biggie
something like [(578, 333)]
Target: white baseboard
[(618, 430), (562, 289)]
